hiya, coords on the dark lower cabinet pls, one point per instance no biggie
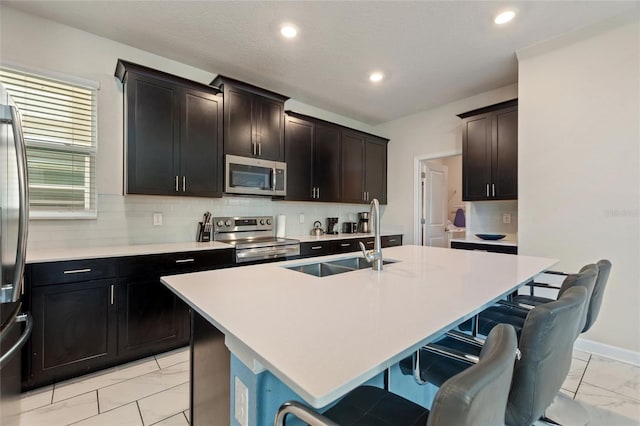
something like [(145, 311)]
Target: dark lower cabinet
[(150, 318), (345, 245), (492, 248), (75, 329), (95, 313)]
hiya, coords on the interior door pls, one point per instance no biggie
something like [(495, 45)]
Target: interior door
[(435, 183)]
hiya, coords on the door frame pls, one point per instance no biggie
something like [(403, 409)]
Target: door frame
[(417, 185)]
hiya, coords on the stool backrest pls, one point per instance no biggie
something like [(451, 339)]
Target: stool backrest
[(546, 346), (586, 278), (604, 269), (478, 395)]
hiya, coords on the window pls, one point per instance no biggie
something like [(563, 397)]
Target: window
[(59, 127)]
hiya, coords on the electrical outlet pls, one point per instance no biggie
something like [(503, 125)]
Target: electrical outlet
[(157, 219), (506, 217), (301, 217), (241, 402)]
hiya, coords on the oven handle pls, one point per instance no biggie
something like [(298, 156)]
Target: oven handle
[(268, 251)]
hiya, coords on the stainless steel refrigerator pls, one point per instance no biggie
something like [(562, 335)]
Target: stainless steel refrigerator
[(15, 325)]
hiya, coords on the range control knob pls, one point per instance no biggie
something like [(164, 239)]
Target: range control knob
[(227, 222), (220, 223), (268, 221), (261, 221)]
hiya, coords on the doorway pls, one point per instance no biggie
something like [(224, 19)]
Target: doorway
[(440, 196)]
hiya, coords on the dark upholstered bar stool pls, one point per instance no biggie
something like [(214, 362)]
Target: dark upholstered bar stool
[(515, 313), (476, 396), (546, 347)]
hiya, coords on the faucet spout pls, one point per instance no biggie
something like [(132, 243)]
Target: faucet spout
[(374, 256)]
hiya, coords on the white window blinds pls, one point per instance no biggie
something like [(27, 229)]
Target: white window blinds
[(59, 125)]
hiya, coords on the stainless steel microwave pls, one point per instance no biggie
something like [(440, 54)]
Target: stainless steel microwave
[(254, 176)]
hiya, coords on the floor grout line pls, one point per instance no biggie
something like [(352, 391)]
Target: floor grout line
[(140, 413), (582, 377)]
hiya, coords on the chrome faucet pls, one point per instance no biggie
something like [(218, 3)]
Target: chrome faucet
[(374, 256)]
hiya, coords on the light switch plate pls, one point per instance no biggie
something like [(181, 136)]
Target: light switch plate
[(301, 217), (506, 217), (241, 402), (157, 219)]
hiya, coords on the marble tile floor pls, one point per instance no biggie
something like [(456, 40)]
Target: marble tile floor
[(155, 391)]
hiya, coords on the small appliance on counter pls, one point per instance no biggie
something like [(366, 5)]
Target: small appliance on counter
[(332, 227), (363, 223), (349, 227), (317, 228)]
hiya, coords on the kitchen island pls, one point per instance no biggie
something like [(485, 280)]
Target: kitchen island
[(294, 335)]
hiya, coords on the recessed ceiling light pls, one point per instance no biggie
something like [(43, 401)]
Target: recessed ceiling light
[(289, 31), (376, 76), (504, 17)]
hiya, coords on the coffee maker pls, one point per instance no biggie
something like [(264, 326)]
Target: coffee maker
[(331, 225), (363, 222)]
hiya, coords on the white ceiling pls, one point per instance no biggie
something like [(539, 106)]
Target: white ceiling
[(433, 52)]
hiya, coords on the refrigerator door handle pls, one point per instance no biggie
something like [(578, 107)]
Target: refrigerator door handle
[(12, 292), (21, 341)]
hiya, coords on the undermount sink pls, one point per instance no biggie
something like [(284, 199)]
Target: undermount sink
[(325, 269)]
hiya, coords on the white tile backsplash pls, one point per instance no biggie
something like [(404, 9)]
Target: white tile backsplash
[(486, 217), (128, 219)]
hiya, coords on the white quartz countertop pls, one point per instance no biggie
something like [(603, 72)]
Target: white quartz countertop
[(78, 253), (325, 336), (62, 254), (509, 240)]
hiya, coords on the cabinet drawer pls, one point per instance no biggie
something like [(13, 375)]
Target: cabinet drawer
[(72, 271), (316, 249), (484, 247), (175, 263), (391, 240), (345, 246)]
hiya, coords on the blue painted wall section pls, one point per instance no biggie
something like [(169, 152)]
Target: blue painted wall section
[(267, 393)]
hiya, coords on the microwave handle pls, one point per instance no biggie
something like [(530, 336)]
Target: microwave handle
[(273, 178)]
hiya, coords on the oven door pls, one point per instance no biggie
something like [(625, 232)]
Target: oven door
[(254, 176), (265, 253)]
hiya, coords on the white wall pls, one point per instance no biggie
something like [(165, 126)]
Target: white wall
[(579, 166), (32, 42), (429, 134)]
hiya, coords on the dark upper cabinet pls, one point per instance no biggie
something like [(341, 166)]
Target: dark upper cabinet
[(173, 131), (313, 159), (253, 120), (364, 167), (490, 152)]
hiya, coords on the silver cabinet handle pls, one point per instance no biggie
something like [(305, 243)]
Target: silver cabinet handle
[(177, 184), (318, 193), (184, 183), (364, 196), (345, 245), (185, 260), (392, 240), (112, 291), (313, 192), (493, 189), (316, 247), (487, 190), (253, 146), (77, 271), (259, 149), (370, 242)]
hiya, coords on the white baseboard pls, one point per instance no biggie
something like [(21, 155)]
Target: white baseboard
[(608, 351)]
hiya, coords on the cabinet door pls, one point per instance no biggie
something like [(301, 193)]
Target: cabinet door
[(74, 329), (376, 171), (299, 141), (476, 157), (504, 158), (150, 317), (269, 122), (152, 109), (352, 168), (201, 144), (326, 162), (238, 119)]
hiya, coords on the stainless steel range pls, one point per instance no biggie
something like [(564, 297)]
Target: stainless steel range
[(253, 238)]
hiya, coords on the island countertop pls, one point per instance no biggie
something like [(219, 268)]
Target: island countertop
[(325, 336)]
